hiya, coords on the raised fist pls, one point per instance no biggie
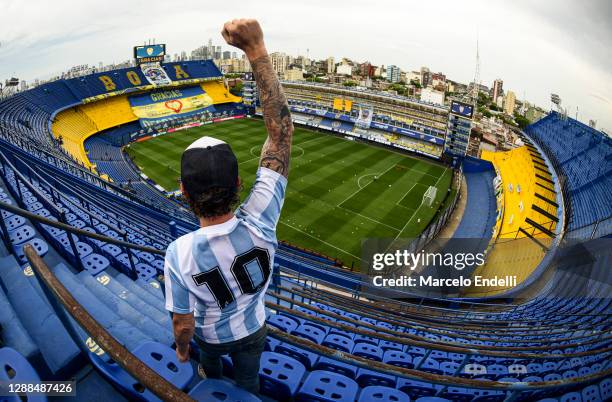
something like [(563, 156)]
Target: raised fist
[(245, 34)]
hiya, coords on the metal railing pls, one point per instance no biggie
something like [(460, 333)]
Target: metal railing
[(68, 307)]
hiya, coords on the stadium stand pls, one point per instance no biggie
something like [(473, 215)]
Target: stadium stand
[(479, 216), (582, 157), (529, 195), (398, 121), (332, 336), (218, 92)]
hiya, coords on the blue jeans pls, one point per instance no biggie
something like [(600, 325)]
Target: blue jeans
[(245, 354)]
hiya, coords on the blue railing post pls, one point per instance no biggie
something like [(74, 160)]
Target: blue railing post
[(5, 234), (73, 247), (134, 274)]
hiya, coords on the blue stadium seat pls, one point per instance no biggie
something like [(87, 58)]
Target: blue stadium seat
[(571, 397), (367, 377), (591, 394), (283, 322), (382, 394), (13, 332), (145, 271), (309, 332), (16, 369), (57, 347), (388, 345), (397, 358), (271, 344), (95, 263), (338, 342), (329, 364), (324, 386), (359, 338), (22, 234), (415, 389), (160, 358), (307, 358), (163, 361), (280, 375), (605, 389), (221, 391), (368, 351)]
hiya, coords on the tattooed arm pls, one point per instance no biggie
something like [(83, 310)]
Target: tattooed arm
[(247, 35)]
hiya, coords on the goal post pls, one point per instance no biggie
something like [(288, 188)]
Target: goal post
[(430, 196)]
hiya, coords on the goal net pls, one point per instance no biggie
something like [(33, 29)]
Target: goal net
[(430, 196)]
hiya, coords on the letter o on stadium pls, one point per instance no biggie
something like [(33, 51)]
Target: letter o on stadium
[(133, 78)]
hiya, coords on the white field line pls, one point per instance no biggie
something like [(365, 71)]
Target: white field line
[(359, 189), (368, 218), (295, 145), (320, 240), (417, 210), (402, 199)]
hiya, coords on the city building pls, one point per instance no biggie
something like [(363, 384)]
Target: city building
[(497, 90), (344, 69), (330, 66), (294, 74), (413, 76), (393, 73), (425, 77), (510, 103), (438, 81), (432, 96), (367, 69), (279, 62)]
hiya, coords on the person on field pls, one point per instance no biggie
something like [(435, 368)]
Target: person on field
[(216, 277)]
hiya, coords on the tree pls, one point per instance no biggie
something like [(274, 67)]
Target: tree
[(522, 121), (237, 89), (399, 88), (350, 84)]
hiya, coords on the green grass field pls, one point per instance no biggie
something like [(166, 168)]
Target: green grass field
[(333, 199)]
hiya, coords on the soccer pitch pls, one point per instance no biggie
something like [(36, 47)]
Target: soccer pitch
[(339, 193)]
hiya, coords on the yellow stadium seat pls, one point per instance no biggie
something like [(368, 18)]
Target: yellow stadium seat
[(76, 124), (219, 93), (513, 252)]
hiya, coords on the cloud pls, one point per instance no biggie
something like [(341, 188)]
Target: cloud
[(536, 47)]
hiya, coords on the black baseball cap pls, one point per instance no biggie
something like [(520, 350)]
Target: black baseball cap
[(207, 163)]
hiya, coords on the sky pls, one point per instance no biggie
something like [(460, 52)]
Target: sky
[(537, 47)]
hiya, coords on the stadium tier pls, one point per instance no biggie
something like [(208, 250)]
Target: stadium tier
[(332, 336), (582, 157), (376, 116)]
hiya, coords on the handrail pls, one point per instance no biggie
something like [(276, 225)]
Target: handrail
[(464, 334), (26, 183), (415, 374), (67, 200), (366, 285), (463, 322), (518, 352), (72, 229), (130, 363)]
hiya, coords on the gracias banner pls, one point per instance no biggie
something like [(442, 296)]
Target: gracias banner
[(159, 105)]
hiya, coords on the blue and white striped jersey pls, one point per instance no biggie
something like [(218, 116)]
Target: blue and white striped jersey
[(222, 271)]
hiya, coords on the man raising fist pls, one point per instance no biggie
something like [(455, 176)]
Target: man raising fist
[(216, 277)]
